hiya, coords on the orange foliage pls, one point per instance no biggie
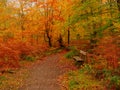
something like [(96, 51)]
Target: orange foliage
[(9, 58), (107, 51), (12, 52)]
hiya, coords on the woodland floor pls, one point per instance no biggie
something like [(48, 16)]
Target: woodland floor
[(44, 76), (51, 72)]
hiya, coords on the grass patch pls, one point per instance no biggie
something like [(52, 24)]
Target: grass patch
[(73, 51), (82, 81), (30, 58)]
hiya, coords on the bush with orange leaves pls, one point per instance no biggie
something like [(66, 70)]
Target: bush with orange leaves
[(12, 52), (105, 55), (9, 58)]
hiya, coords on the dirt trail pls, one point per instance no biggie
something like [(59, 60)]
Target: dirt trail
[(44, 76)]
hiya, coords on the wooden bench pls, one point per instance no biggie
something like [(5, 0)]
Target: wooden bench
[(79, 60)]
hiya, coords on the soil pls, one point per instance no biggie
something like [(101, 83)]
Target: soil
[(44, 76)]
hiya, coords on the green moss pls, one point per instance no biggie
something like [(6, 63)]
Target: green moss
[(30, 58)]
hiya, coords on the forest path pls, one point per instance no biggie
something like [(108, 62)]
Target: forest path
[(44, 76)]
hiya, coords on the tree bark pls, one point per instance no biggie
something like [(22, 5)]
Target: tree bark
[(118, 4), (60, 40), (49, 38), (68, 36)]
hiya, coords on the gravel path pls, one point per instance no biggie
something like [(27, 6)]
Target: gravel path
[(44, 76)]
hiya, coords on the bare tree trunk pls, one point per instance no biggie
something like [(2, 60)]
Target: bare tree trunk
[(49, 38), (60, 40), (22, 18), (68, 36), (118, 4), (48, 28)]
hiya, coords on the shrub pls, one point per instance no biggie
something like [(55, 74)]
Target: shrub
[(29, 58), (24, 48), (9, 58), (11, 52), (109, 54), (114, 83), (73, 51)]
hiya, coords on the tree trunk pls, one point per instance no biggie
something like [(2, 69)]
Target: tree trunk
[(49, 38), (22, 28), (118, 4), (68, 36), (60, 40), (50, 41)]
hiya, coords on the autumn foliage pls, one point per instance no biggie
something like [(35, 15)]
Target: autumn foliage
[(30, 27), (9, 58), (11, 53)]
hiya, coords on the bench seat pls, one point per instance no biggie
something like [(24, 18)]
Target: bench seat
[(77, 58)]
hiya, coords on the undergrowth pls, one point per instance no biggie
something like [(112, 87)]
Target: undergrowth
[(81, 80), (72, 52)]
